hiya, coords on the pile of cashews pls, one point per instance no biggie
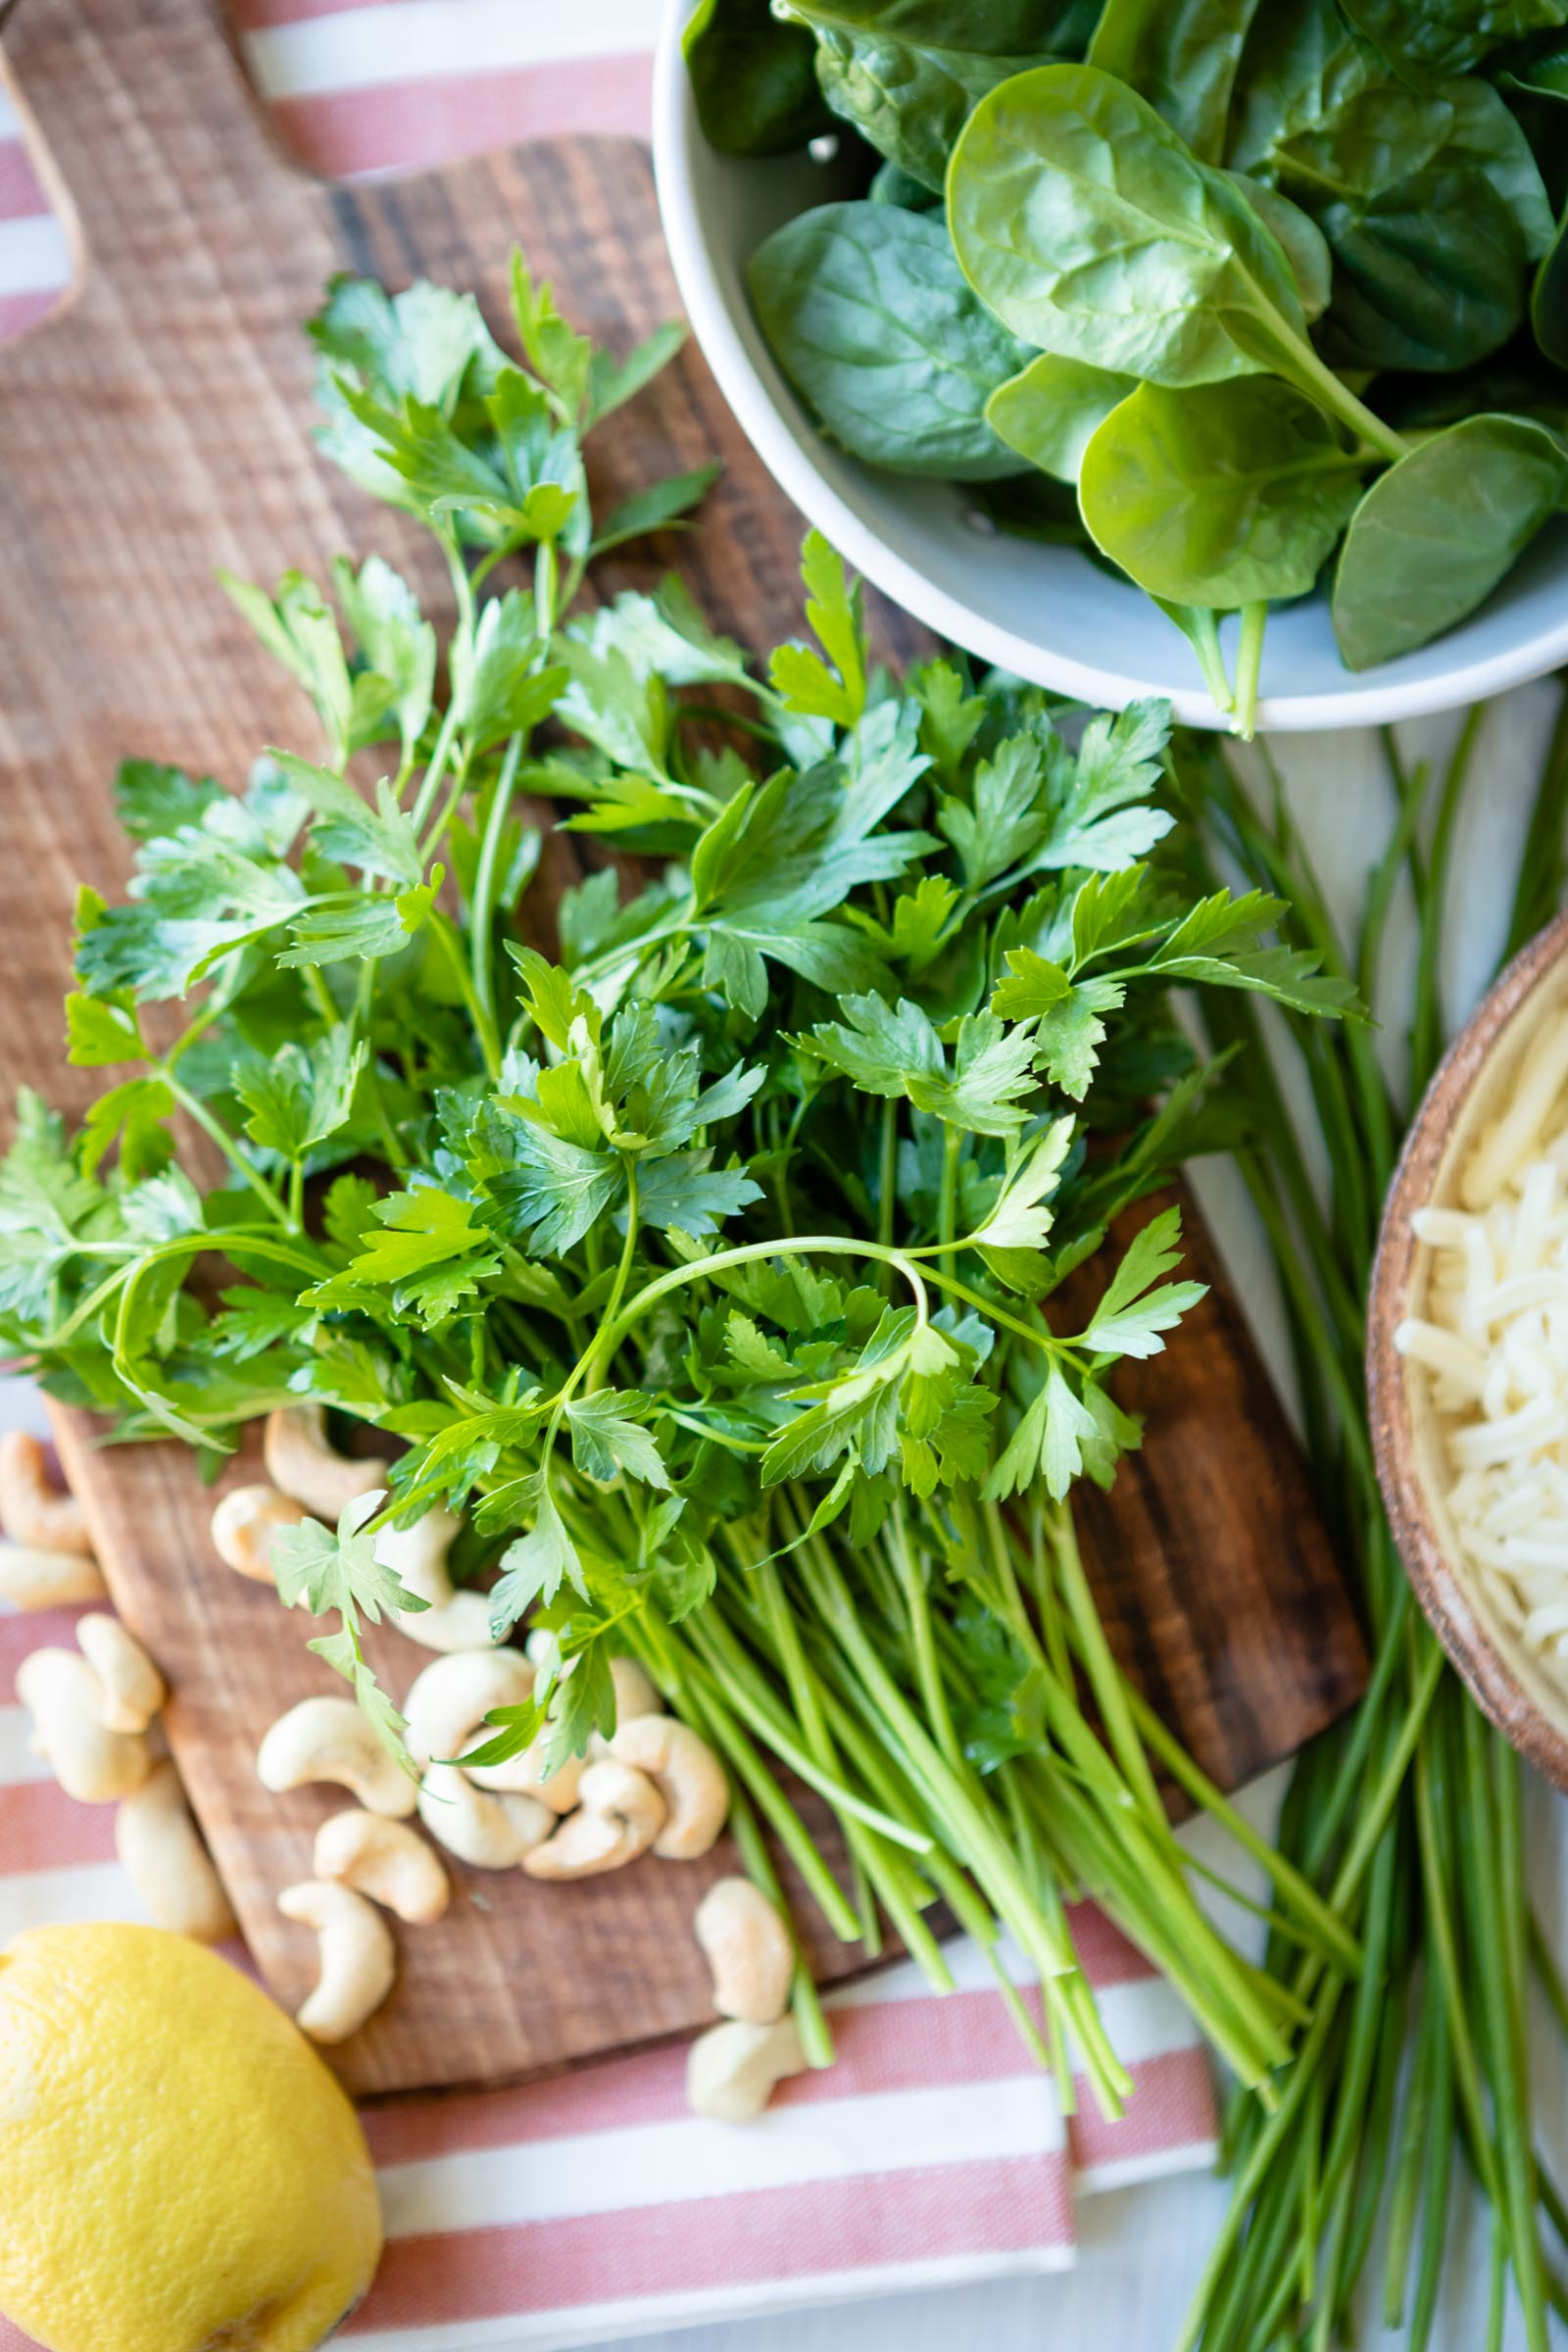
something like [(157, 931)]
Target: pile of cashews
[(655, 1785), (94, 1708)]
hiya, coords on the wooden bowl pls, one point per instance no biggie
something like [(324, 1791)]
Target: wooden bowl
[(1528, 1705)]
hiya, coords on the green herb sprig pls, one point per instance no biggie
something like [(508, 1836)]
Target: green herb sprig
[(706, 1268)]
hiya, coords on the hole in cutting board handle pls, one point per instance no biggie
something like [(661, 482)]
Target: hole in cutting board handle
[(137, 123), (42, 260)]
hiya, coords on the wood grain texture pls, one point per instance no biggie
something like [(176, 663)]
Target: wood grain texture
[(1215, 1580), (156, 429)]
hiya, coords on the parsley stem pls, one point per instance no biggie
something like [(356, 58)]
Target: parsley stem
[(194, 1108), (816, 2038), (237, 1240), (546, 579), (316, 981), (440, 753), (928, 1672), (444, 932), (817, 1244), (1104, 1676), (748, 1695), (456, 791), (947, 1195), (1291, 1891), (595, 967), (887, 1189), (959, 1810), (597, 1359), (199, 1020), (482, 916), (988, 1308), (713, 1717)]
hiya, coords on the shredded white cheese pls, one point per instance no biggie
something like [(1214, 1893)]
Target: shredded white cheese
[(1494, 1340)]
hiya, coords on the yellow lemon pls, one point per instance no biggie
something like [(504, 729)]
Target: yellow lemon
[(179, 2171)]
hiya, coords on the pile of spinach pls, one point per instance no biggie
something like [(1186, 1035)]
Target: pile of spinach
[(1203, 261)]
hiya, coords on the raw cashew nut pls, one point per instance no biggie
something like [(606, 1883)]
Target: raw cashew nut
[(385, 1860), (133, 1688), (450, 1700), (748, 1948), (161, 1847), (244, 1525), (33, 1512), (330, 1739), (47, 1579), (418, 1558), (446, 1708), (520, 1777), (65, 1700), (635, 1696), (619, 1813), (690, 1776), (492, 1833), (357, 1958), (301, 1461), (731, 2069)]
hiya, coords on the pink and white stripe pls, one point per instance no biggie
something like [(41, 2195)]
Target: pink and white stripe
[(362, 86)]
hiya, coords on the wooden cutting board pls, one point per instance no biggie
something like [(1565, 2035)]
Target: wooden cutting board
[(157, 428)]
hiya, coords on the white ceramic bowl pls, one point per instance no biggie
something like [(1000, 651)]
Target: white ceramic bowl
[(1044, 613)]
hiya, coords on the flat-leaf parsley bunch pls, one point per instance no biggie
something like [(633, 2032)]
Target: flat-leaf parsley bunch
[(708, 1267)]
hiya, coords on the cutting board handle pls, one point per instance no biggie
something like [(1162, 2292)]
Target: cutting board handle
[(145, 130)]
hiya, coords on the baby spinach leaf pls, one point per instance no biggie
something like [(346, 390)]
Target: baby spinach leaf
[(891, 184), (1428, 274), (1049, 411), (1305, 247), (1489, 136), (1425, 39), (1435, 533), (1309, 77), (753, 79), (1182, 56), (1519, 381), (1031, 506), (911, 103), (1222, 495), (1548, 302), (905, 72), (869, 315), (1091, 230), (1432, 204), (1303, 64), (1539, 66)]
